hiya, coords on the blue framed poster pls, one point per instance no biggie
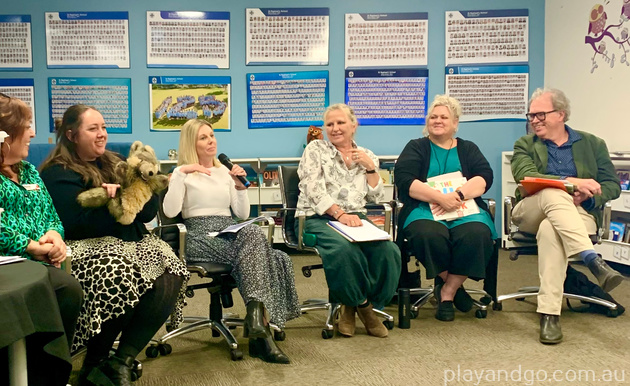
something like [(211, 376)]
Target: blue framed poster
[(388, 96), (187, 39), (489, 92), (15, 39), (286, 99), (176, 99), (287, 36), (87, 39), (110, 96), (23, 89)]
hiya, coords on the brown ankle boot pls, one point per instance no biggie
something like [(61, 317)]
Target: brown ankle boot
[(347, 321), (372, 324)]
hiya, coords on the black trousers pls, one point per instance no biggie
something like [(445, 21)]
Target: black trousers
[(463, 250)]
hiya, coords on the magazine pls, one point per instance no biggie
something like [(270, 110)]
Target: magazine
[(447, 183), (367, 232)]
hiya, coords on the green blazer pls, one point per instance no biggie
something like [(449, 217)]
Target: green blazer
[(591, 157)]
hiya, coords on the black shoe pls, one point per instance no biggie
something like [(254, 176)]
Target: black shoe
[(607, 277), (85, 371), (445, 311), (114, 371), (462, 300), (254, 326), (266, 349), (550, 331)]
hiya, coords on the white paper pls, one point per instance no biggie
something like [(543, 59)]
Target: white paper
[(237, 227), (367, 232), (10, 259)]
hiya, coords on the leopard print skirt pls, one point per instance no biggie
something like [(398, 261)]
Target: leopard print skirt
[(114, 274)]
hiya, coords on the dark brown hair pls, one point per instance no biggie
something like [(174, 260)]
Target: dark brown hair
[(65, 152), (15, 116)]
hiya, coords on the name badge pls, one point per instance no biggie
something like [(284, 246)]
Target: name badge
[(31, 186)]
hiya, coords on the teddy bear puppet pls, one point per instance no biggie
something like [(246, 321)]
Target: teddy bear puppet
[(139, 181)]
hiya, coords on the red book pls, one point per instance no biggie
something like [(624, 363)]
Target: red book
[(532, 185)]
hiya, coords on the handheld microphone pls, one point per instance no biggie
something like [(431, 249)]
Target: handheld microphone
[(225, 160)]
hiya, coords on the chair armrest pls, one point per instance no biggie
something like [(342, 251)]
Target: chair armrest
[(508, 205), (271, 223), (387, 208), (604, 230), (67, 263), (182, 236), (492, 206)]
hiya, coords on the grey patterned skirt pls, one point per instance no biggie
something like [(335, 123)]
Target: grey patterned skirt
[(261, 272), (114, 274)]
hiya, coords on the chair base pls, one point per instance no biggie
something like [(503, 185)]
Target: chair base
[(426, 295), (332, 314), (527, 292)]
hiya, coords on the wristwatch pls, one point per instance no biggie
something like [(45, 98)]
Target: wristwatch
[(460, 194)]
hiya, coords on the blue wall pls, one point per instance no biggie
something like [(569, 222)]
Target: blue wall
[(492, 137)]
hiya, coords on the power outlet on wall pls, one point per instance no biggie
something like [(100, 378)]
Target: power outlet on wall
[(617, 251)]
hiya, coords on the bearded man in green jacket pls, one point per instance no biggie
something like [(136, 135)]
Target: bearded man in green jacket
[(560, 221)]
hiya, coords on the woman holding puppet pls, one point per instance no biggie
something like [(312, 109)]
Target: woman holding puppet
[(451, 251)]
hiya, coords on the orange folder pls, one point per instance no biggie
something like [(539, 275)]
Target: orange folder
[(532, 185)]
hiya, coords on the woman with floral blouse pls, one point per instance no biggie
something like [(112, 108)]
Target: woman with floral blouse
[(337, 179)]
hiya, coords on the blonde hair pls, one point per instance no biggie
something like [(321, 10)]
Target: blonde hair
[(343, 107), (450, 103), (188, 142)]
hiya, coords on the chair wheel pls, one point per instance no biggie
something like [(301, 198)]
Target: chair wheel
[(520, 299), (134, 376), (389, 324), (413, 314), (136, 369), (513, 256), (152, 352), (236, 354), (485, 300), (497, 306), (190, 293), (481, 314), (306, 272), (327, 334), (279, 336), (612, 313), (165, 349)]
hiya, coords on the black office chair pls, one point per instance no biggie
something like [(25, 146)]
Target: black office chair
[(289, 180), (173, 231), (525, 244), (422, 295)]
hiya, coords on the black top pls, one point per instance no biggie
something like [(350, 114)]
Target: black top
[(413, 164), (64, 185)]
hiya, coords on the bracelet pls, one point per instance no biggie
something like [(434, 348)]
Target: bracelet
[(371, 171), (460, 194), (340, 216)]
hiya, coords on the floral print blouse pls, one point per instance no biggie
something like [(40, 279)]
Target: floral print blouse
[(28, 212), (326, 180)]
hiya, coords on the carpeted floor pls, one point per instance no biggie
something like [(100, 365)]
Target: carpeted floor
[(502, 349)]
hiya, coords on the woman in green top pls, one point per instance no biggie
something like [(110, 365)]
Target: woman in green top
[(30, 226)]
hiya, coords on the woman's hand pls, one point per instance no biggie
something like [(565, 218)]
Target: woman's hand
[(111, 189), (38, 251), (237, 171), (447, 203), (361, 158), (192, 168), (351, 220), (57, 253)]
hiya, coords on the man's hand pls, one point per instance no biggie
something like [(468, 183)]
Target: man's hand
[(579, 198), (587, 186)]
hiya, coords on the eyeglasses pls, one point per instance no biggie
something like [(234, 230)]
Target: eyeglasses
[(541, 115), (4, 95)]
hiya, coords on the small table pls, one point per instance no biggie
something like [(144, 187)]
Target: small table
[(28, 308)]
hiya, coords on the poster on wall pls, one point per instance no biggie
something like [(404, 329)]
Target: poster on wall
[(16, 53), (388, 97), (291, 99), (386, 39), (87, 39), (110, 96), (23, 89), (495, 36), (186, 39), (287, 36), (489, 92), (176, 99)]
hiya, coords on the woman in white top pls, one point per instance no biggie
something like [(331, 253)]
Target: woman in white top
[(204, 191)]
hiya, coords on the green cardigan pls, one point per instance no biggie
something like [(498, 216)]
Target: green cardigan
[(591, 157)]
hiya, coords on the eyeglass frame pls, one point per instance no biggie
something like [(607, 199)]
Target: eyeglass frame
[(530, 116), (5, 95)]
